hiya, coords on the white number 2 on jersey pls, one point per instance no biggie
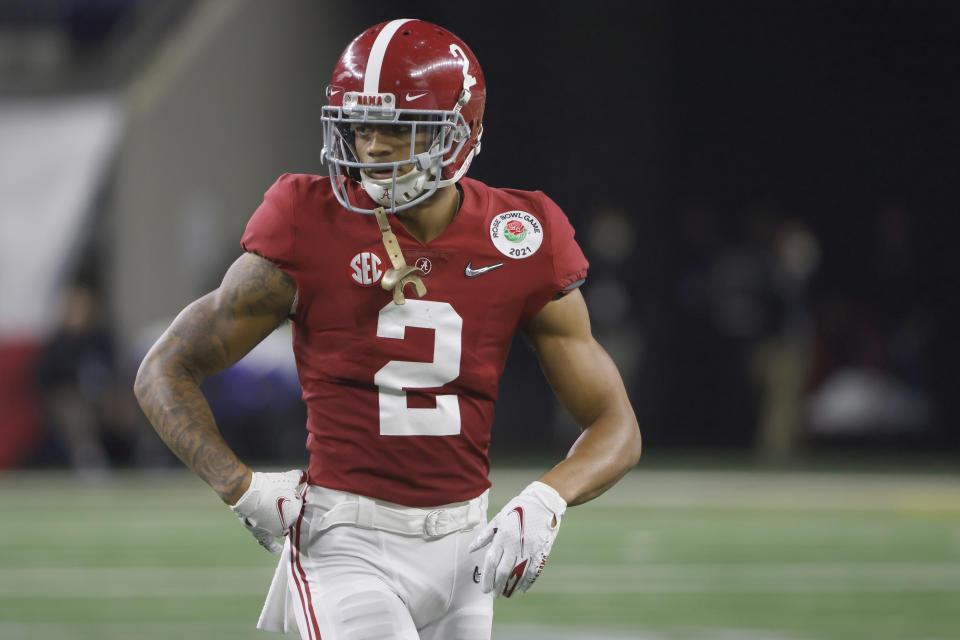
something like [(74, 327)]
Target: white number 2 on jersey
[(396, 418)]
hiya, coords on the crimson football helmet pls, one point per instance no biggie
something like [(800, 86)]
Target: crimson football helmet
[(413, 75)]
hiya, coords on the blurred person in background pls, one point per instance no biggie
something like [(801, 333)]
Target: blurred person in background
[(400, 390), (872, 346), (84, 402), (743, 294), (781, 358)]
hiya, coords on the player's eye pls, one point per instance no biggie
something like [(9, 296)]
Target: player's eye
[(363, 130), (390, 131)]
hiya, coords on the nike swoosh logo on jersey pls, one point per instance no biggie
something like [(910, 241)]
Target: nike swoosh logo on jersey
[(411, 97), (470, 272)]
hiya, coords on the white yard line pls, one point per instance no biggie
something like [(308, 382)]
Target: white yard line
[(111, 630), (140, 582), (771, 490), (538, 632), (544, 632), (77, 630), (134, 582), (641, 488), (891, 577)]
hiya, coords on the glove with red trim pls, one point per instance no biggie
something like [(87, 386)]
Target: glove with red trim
[(271, 505), (520, 539)]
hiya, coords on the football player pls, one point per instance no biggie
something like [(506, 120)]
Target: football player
[(405, 282)]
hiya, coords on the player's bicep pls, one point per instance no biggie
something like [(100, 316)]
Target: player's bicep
[(579, 370), (215, 331)]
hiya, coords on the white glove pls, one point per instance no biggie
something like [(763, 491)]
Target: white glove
[(271, 505), (521, 536)]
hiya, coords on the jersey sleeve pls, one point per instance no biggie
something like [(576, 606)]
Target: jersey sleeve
[(567, 268), (271, 231), (569, 264)]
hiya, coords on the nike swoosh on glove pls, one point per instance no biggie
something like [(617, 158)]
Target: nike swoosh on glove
[(520, 539), (271, 505)]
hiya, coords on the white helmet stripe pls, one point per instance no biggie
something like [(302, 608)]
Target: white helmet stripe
[(371, 77)]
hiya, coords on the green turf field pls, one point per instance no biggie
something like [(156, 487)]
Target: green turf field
[(666, 554)]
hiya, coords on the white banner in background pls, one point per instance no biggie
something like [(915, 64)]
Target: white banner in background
[(53, 156)]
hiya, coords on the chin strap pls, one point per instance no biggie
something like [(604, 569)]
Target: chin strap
[(401, 274)]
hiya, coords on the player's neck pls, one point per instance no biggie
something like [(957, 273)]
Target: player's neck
[(428, 220)]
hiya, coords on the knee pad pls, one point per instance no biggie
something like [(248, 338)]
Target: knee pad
[(368, 614)]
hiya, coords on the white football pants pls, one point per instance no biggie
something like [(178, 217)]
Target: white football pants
[(348, 582)]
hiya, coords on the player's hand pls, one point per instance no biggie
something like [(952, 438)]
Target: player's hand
[(520, 538), (270, 506)]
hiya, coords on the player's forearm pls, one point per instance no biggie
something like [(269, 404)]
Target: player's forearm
[(172, 401), (603, 454)]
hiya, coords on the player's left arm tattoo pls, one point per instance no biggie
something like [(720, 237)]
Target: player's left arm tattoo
[(588, 384), (208, 336)]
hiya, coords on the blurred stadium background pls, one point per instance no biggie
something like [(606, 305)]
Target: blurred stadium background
[(767, 192)]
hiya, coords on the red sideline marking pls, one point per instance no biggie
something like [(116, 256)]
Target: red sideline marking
[(21, 424), (308, 613)]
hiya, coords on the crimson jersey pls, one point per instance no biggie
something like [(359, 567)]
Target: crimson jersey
[(400, 398)]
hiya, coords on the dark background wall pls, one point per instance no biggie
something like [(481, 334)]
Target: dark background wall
[(767, 192), (711, 125)]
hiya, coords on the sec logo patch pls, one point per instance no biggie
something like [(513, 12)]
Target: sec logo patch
[(516, 234), (365, 268)]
